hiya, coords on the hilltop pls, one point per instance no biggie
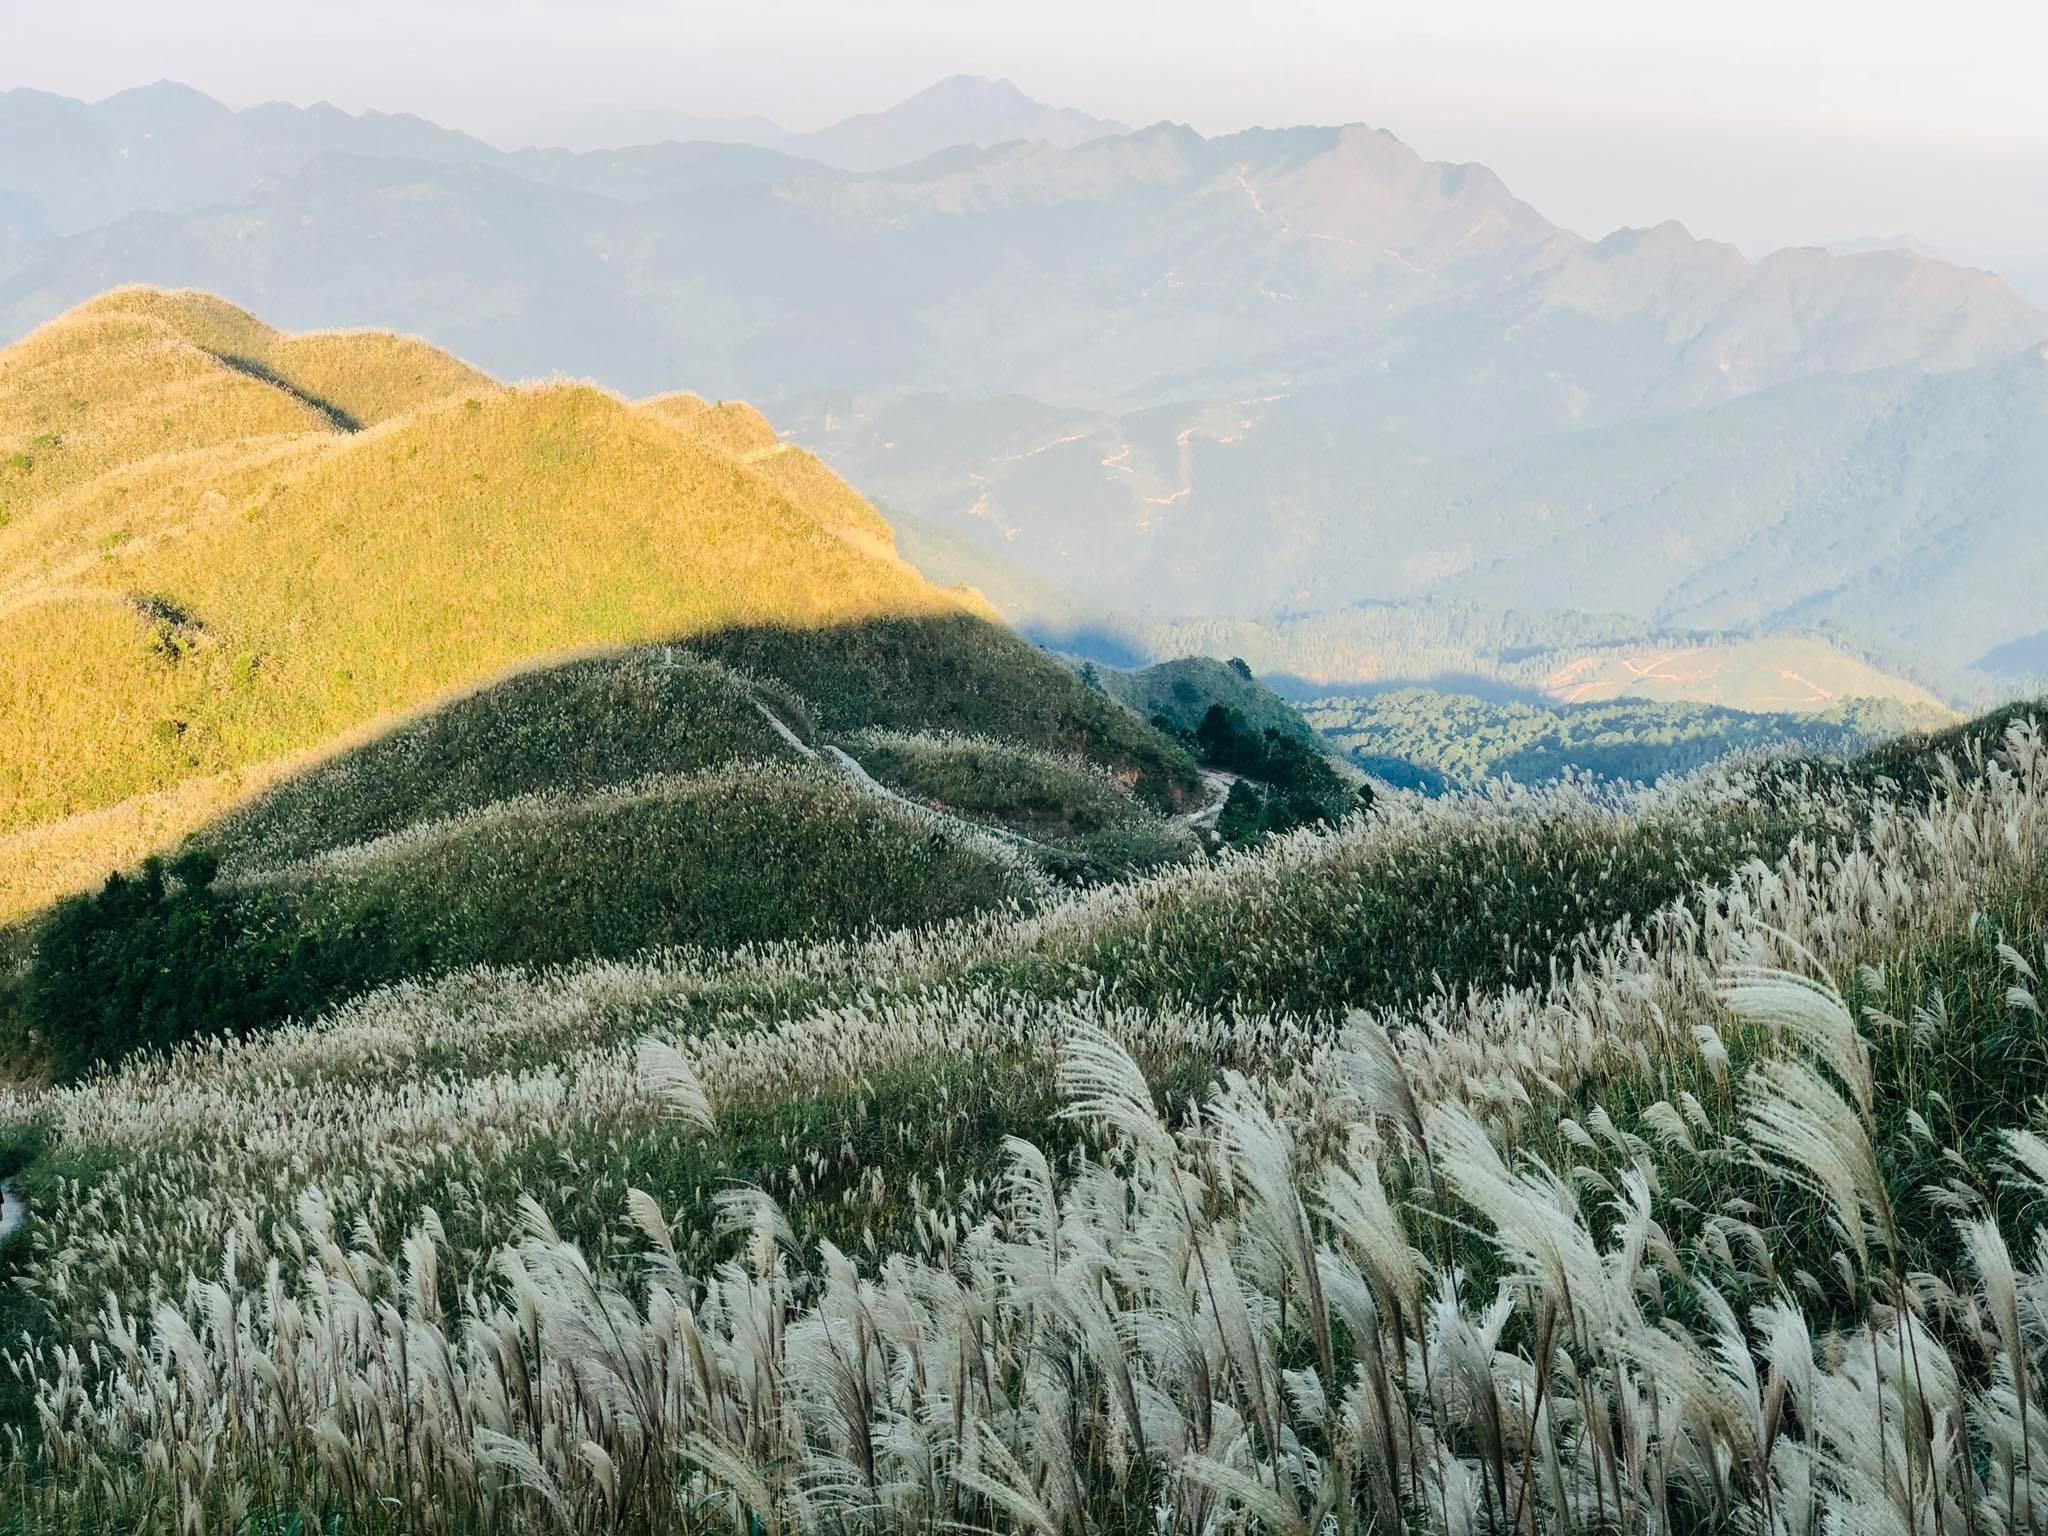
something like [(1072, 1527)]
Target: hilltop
[(227, 551), (1181, 692)]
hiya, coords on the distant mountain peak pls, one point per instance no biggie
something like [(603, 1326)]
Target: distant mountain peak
[(168, 91), (969, 110), (1870, 245), (164, 100), (1167, 131), (1670, 234), (987, 87)]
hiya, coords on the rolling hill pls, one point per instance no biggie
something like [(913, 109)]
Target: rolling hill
[(228, 551), (1163, 1155), (1183, 690)]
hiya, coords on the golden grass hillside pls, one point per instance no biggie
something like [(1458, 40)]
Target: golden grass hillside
[(739, 431), (206, 567)]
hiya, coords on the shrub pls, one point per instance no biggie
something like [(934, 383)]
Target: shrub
[(1301, 789), (168, 954)]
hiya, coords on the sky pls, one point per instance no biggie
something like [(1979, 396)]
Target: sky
[(1763, 122)]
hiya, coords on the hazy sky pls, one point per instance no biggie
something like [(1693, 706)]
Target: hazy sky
[(1759, 121)]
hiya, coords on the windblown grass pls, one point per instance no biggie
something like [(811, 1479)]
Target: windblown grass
[(1632, 1246), (601, 807), (1531, 1161), (736, 855), (355, 379), (105, 388), (713, 859)]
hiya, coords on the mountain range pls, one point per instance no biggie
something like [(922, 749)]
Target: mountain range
[(1268, 374), (2027, 271)]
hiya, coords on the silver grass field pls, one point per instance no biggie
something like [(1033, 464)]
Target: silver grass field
[(1621, 1249)]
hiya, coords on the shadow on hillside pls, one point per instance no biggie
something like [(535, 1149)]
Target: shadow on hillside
[(602, 806), (955, 673), (1109, 647), (1104, 647), (2022, 660), (336, 417)]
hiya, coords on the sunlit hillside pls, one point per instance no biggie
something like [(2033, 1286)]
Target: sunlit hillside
[(223, 548)]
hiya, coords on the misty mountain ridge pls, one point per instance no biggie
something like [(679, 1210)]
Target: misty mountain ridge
[(72, 165), (960, 110), (2027, 272), (1135, 270), (1273, 372), (1898, 504)]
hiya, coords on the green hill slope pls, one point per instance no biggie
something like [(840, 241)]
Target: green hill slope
[(962, 676), (584, 726), (608, 807), (1089, 823), (315, 597), (1182, 691)]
